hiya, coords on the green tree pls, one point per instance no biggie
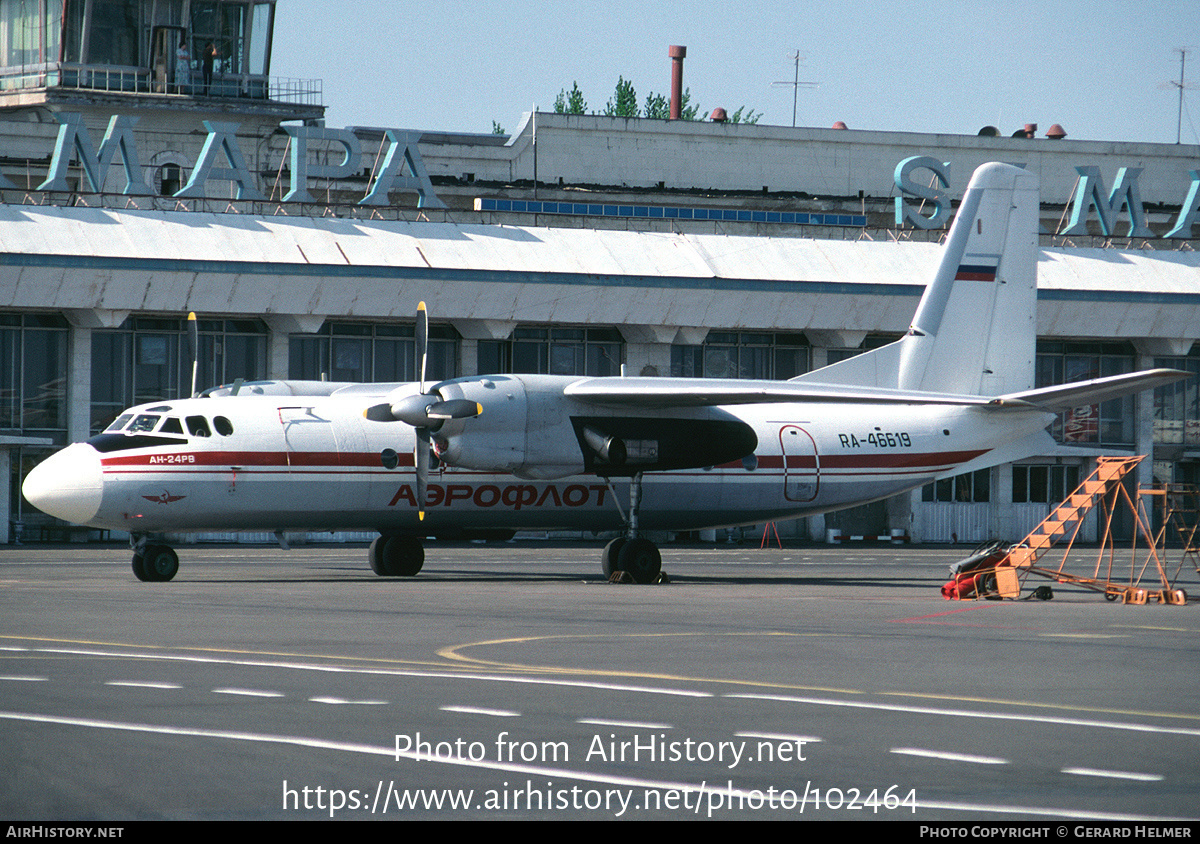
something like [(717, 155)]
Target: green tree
[(572, 103), (749, 117), (624, 102), (657, 107), (687, 111)]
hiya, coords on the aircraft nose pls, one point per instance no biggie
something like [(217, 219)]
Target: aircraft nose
[(67, 485)]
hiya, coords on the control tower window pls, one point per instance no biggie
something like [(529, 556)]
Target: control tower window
[(113, 38), (240, 33), (29, 32)]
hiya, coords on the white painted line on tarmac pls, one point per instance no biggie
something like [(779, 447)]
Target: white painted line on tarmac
[(139, 684), (479, 710), (744, 796), (974, 713), (23, 678), (247, 692), (634, 725), (385, 672), (342, 700), (780, 737), (950, 757), (1117, 775)]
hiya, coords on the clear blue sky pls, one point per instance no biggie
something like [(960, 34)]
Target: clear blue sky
[(1102, 69)]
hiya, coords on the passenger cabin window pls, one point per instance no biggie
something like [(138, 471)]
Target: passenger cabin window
[(224, 426), (198, 426)]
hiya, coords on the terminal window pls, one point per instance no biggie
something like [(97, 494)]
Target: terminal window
[(743, 354), (1107, 423)]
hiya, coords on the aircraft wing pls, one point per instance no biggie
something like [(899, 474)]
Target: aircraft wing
[(301, 389), (1080, 393), (705, 392)]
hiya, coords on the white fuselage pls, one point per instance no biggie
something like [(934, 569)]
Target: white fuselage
[(315, 463)]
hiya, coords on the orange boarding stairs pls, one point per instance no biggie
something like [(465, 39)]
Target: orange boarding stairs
[(999, 573)]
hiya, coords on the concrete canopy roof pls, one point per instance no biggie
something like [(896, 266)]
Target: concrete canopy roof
[(228, 264)]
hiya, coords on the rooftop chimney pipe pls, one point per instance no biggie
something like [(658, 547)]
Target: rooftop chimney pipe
[(676, 53)]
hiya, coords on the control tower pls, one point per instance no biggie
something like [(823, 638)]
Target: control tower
[(172, 64)]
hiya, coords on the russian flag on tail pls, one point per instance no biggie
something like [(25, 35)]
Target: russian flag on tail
[(977, 268)]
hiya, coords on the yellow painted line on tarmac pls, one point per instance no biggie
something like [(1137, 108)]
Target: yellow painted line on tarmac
[(453, 653), (236, 651)]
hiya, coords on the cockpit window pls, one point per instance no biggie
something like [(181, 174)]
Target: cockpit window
[(224, 426), (171, 425), (198, 426), (120, 422), (144, 422)]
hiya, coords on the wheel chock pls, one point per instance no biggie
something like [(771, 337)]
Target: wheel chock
[(625, 577)]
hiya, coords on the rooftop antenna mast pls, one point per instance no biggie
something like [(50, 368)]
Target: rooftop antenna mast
[(1182, 51), (796, 83), (1179, 120)]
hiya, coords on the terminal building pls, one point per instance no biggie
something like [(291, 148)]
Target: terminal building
[(151, 165)]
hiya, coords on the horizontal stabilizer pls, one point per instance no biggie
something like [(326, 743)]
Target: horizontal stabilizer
[(1080, 393), (708, 392)]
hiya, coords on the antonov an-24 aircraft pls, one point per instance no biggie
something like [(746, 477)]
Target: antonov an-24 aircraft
[(525, 452)]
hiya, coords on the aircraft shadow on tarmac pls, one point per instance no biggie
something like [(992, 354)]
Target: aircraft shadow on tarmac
[(347, 574)]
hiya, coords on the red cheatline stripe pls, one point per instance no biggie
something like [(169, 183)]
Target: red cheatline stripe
[(334, 460), (868, 460), (898, 460), (183, 460)]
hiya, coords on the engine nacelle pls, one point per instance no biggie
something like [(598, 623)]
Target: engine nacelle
[(531, 429), (525, 427)]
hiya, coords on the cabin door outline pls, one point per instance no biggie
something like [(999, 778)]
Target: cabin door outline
[(801, 464)]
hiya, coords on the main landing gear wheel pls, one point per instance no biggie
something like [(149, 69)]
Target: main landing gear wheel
[(397, 556), (641, 559), (156, 563), (608, 557), (636, 556), (375, 555)]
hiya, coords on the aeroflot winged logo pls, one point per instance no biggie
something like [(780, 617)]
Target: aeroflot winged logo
[(164, 497)]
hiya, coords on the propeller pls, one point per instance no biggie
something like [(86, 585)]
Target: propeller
[(193, 347), (424, 411)]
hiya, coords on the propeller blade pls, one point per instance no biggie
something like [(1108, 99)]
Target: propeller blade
[(421, 459), (379, 413), (422, 343), (454, 409), (193, 347)]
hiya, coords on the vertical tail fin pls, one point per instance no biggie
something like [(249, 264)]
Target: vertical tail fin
[(975, 328)]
